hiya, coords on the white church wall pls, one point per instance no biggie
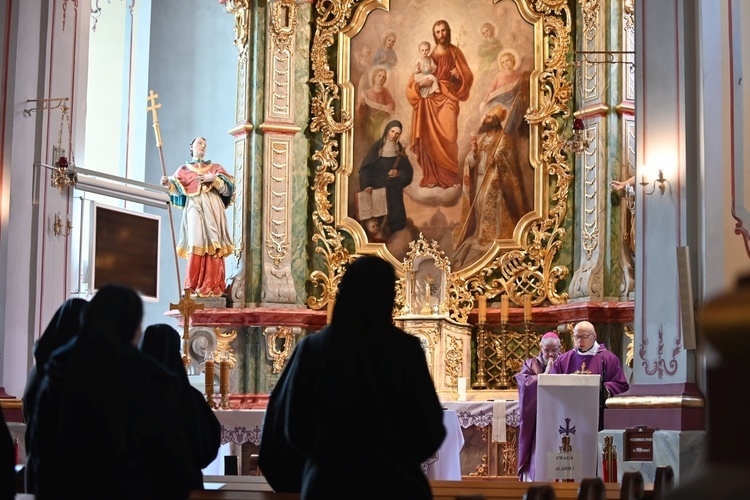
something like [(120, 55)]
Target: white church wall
[(193, 67), (661, 114), (35, 260)]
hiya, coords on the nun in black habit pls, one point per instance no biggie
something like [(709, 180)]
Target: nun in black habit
[(105, 408), (203, 429), (63, 328), (356, 401), (387, 166)]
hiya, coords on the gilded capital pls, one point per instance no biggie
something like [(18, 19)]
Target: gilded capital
[(241, 11)]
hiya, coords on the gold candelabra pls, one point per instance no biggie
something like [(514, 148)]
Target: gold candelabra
[(209, 373), (502, 342), (480, 383), (503, 382)]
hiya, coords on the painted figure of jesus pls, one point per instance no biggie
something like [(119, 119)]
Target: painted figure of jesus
[(435, 117)]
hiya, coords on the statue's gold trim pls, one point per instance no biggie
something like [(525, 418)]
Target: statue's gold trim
[(522, 267), (649, 402)]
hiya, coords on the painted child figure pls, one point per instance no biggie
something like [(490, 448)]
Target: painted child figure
[(424, 68)]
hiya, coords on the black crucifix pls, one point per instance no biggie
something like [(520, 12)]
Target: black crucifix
[(187, 308)]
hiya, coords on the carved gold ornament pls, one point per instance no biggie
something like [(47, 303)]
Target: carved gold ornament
[(630, 334), (223, 344), (590, 11), (240, 9), (278, 356), (284, 23), (453, 360), (629, 15), (516, 271), (456, 301)]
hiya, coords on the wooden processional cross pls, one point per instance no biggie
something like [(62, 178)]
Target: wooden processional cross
[(187, 308)]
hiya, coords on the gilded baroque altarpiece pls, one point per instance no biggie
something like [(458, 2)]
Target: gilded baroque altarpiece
[(361, 48)]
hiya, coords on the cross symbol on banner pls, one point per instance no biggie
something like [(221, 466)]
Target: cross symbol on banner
[(567, 430)]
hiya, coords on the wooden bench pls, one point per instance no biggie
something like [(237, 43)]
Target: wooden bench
[(632, 488), (490, 489), (238, 483), (241, 495)]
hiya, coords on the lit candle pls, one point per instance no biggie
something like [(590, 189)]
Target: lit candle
[(209, 377), (209, 371), (224, 374), (482, 309), (331, 304), (527, 308), (504, 308), (461, 388)]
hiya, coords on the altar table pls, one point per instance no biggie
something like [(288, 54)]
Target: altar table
[(243, 427), (490, 430)]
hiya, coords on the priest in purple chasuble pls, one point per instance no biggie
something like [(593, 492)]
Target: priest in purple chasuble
[(204, 189), (527, 384), (589, 356)]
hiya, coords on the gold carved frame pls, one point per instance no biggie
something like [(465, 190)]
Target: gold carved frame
[(513, 269)]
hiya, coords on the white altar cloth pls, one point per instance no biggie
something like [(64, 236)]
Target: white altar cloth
[(245, 426)]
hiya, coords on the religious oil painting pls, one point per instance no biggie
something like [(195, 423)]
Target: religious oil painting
[(439, 92)]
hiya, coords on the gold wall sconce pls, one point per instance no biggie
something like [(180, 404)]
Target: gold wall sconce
[(60, 229), (661, 181)]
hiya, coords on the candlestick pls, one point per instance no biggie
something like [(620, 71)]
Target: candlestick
[(186, 352), (461, 389), (482, 309), (209, 374), (331, 304), (224, 381), (527, 308), (504, 308)]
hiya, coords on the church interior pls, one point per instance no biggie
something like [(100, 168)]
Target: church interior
[(552, 162)]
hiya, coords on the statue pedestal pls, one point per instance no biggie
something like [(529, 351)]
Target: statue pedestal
[(447, 346), (210, 302)]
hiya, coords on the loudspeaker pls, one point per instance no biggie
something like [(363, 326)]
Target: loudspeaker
[(686, 297)]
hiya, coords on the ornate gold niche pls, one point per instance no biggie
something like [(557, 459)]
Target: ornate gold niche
[(515, 271)]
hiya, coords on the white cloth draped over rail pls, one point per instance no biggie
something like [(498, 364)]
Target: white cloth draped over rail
[(498, 414), (239, 427)]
